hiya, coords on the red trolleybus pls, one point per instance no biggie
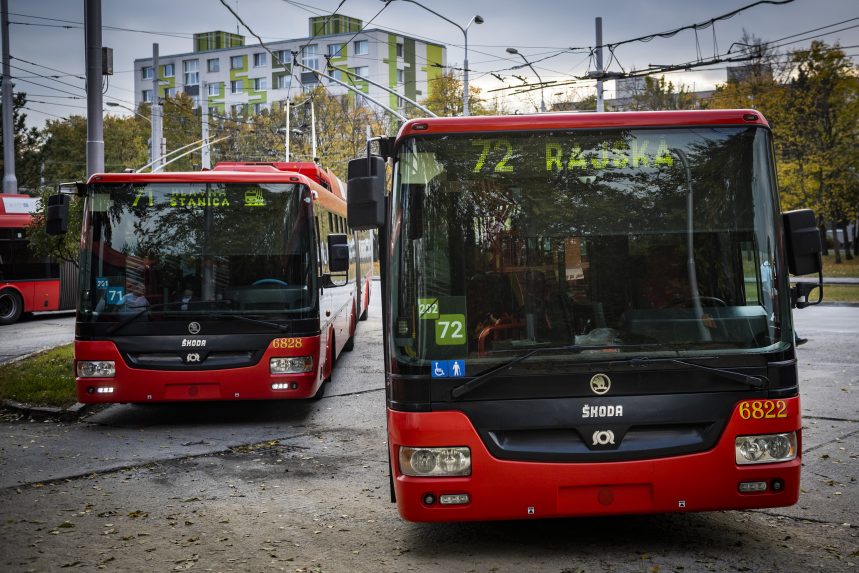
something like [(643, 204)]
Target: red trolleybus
[(242, 282), (587, 314), (28, 283)]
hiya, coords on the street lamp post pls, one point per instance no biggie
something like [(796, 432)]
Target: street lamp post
[(125, 107), (542, 99), (476, 19)]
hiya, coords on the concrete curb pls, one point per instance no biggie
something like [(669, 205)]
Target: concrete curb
[(70, 414)]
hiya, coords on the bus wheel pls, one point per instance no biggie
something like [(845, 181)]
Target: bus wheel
[(363, 315), (321, 392), (11, 306), (350, 344)]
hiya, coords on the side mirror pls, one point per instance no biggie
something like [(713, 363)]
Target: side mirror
[(57, 217), (802, 239), (338, 253), (803, 242), (366, 193)]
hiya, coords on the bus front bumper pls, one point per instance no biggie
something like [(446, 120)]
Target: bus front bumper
[(137, 385), (503, 489)]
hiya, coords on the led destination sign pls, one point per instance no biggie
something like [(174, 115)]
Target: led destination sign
[(556, 155)]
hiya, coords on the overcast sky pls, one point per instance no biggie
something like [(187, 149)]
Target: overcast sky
[(537, 28)]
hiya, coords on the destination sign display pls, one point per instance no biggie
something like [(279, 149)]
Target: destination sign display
[(567, 155)]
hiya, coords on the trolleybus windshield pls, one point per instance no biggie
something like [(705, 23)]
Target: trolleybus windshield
[(173, 250), (639, 241)]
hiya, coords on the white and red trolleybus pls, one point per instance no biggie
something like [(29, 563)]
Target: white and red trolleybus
[(587, 314), (28, 283), (241, 282)]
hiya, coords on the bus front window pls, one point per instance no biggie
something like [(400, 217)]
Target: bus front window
[(189, 248), (629, 241)]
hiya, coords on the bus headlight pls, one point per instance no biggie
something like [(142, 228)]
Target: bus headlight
[(96, 369), (291, 365), (765, 449), (435, 462)]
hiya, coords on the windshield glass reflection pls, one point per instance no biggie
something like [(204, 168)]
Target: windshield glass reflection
[(181, 248), (635, 240)]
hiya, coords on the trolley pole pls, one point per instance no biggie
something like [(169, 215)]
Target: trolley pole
[(10, 181), (600, 100), (205, 152), (155, 135), (286, 133)]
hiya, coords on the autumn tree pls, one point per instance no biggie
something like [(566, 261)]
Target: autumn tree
[(445, 97), (63, 156), (661, 94), (824, 109)]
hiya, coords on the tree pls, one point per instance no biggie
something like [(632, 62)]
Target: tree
[(63, 152), (812, 103), (445, 97), (659, 94), (27, 142), (63, 156), (182, 125), (825, 104)]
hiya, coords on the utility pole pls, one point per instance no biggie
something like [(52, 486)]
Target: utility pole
[(94, 73), (155, 135), (205, 153), (600, 101), (286, 134), (313, 130), (10, 182)]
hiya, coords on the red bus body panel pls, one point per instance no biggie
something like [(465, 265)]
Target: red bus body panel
[(539, 122), (37, 294), (502, 489)]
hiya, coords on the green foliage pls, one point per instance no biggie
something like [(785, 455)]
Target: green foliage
[(661, 94), (445, 97), (46, 379), (341, 132), (60, 247), (814, 111)]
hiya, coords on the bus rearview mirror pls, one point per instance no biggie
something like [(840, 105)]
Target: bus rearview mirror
[(366, 193), (803, 242), (57, 216), (338, 253)]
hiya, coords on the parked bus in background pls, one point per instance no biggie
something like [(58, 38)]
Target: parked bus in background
[(28, 283), (238, 283), (587, 314)]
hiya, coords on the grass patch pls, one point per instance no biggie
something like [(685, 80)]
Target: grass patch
[(845, 269), (46, 379), (839, 293)]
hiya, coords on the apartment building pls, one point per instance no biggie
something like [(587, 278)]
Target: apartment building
[(230, 77)]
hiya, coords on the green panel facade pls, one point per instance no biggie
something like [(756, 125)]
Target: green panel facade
[(410, 72), (391, 60), (433, 68)]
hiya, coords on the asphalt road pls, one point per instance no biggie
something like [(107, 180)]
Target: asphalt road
[(31, 334), (302, 486)]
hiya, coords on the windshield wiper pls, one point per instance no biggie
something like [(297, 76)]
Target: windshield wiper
[(129, 319), (488, 375), (483, 378), (753, 381)]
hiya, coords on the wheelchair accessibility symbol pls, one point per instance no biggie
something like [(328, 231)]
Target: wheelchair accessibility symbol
[(448, 368)]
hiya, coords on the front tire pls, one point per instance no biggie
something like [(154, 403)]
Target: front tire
[(11, 307)]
